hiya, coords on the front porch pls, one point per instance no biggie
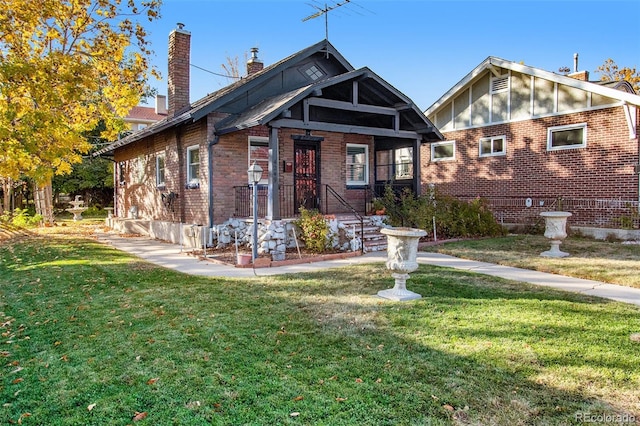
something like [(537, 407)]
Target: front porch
[(325, 199)]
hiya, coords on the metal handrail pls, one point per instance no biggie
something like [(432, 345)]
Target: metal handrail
[(330, 191)]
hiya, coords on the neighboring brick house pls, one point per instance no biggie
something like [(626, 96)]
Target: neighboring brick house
[(529, 140), (323, 132), (141, 117)]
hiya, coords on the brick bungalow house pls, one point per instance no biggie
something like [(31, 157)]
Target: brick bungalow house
[(529, 140), (323, 132)]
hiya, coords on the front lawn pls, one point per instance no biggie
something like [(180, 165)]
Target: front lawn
[(95, 336), (606, 261)]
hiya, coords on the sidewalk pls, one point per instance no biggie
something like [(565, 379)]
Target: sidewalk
[(169, 256)]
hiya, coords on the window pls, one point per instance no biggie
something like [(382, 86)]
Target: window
[(121, 173), (442, 151), (357, 164), (567, 137), (259, 152), (160, 162), (313, 72), (193, 167), (496, 145), (404, 163)]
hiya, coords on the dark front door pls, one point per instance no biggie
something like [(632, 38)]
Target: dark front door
[(306, 175)]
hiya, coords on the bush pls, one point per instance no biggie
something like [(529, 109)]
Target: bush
[(454, 218), (314, 230), (21, 218)]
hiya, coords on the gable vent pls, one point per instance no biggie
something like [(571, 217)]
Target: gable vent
[(499, 84)]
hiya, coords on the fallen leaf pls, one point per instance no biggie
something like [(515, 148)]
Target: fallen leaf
[(358, 380), (23, 415), (448, 407), (298, 398), (152, 381), (339, 399), (294, 414), (91, 406), (379, 380), (57, 343), (18, 380), (139, 416)]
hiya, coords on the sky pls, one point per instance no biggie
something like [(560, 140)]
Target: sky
[(420, 47)]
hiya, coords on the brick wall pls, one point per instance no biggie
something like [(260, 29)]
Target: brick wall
[(604, 169), (140, 188)]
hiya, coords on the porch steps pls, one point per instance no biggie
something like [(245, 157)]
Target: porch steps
[(372, 239)]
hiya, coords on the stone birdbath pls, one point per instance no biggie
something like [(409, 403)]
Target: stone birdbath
[(402, 250), (555, 230), (77, 208)]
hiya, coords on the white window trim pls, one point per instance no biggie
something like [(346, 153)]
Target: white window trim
[(551, 130), (434, 145), (265, 170), (366, 165), (492, 153), (158, 157), (192, 180)]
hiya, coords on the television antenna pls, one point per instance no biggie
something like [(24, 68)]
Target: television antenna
[(324, 11)]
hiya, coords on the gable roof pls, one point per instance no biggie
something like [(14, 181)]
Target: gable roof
[(244, 112), (492, 62), (215, 100), (381, 98)]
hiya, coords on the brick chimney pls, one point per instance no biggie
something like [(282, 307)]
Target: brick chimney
[(578, 75), (178, 78), (254, 64)]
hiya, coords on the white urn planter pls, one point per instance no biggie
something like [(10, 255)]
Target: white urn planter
[(402, 250), (555, 230)]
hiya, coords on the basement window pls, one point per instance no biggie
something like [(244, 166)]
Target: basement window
[(493, 146), (567, 137), (443, 151)]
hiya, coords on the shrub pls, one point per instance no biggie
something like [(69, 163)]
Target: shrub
[(314, 230), (454, 218), (21, 218)]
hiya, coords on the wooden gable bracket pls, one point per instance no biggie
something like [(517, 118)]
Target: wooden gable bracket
[(494, 70), (630, 114)]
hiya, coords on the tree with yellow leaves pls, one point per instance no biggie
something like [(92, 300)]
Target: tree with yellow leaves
[(65, 66), (611, 72)]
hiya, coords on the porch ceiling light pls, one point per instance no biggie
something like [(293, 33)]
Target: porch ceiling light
[(255, 173)]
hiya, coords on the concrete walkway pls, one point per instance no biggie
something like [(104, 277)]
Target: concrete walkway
[(170, 256)]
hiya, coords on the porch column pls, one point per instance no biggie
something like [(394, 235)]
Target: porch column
[(273, 195), (417, 169)]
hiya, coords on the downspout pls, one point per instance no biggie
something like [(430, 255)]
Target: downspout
[(212, 142)]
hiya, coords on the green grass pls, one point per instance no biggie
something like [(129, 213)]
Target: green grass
[(85, 326), (606, 261)]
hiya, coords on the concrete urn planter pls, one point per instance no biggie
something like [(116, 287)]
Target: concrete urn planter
[(402, 250), (555, 230)]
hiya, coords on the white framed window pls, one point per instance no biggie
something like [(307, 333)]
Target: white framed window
[(567, 137), (493, 146), (357, 164), (193, 166), (443, 151), (259, 153), (160, 165), (404, 163)]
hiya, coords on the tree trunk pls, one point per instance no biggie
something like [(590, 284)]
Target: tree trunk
[(43, 199), (6, 191)]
